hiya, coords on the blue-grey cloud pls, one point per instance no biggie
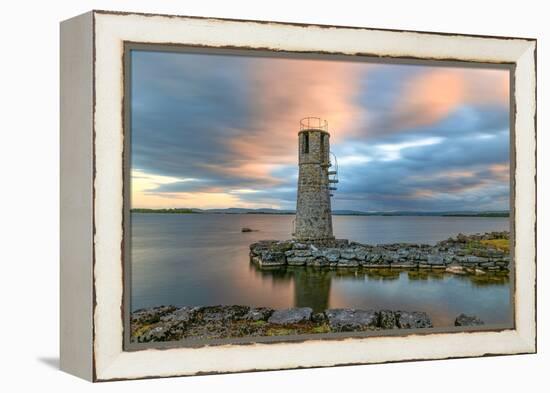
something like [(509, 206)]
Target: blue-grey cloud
[(208, 118)]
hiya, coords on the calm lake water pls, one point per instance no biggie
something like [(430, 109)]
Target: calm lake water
[(202, 259)]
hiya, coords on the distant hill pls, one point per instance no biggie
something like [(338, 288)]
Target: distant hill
[(168, 211), (498, 213), (237, 210)]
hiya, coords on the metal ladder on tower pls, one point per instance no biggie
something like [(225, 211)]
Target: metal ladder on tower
[(333, 173)]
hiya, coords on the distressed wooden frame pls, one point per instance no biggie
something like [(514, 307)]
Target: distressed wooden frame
[(92, 189)]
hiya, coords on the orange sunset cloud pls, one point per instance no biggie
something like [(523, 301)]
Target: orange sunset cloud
[(433, 95), (283, 94)]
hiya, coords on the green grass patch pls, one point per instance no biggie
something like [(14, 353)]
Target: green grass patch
[(324, 328), (280, 332), (499, 244)]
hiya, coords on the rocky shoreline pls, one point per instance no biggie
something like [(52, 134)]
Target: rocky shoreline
[(170, 323), (479, 253)]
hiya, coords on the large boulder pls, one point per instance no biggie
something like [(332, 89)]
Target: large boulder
[(374, 257), (412, 320), (348, 263), (332, 254), (222, 313), (404, 265), (290, 316), (258, 314), (468, 320), (348, 319), (434, 259), (297, 261), (272, 258), (391, 257), (262, 245), (340, 243), (271, 245), (474, 259), (403, 253), (302, 253), (387, 319), (282, 246), (361, 253), (320, 262), (182, 314), (158, 333), (151, 315), (319, 317), (317, 252), (348, 254), (455, 269)]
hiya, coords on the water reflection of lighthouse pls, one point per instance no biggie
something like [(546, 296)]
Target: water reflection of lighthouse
[(312, 289), (311, 286)]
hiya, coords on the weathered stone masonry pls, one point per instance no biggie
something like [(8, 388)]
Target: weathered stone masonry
[(456, 255), (313, 210)]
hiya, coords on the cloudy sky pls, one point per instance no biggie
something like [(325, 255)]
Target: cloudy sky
[(214, 131)]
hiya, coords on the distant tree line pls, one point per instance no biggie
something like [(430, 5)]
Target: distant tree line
[(172, 211), (483, 214)]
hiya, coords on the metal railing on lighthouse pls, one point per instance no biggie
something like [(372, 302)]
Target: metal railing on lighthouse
[(313, 123)]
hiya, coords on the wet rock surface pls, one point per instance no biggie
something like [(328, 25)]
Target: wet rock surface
[(349, 320), (415, 319), (169, 323), (463, 254), (290, 316), (258, 314), (468, 320)]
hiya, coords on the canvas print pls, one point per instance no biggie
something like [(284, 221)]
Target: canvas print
[(276, 196)]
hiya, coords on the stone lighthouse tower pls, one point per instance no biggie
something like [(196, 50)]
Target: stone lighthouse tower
[(313, 212)]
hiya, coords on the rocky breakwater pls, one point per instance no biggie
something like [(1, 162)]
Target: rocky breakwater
[(479, 253), (169, 323)]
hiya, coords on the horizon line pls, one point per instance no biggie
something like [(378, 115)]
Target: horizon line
[(335, 210)]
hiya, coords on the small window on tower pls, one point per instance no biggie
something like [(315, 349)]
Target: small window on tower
[(306, 143)]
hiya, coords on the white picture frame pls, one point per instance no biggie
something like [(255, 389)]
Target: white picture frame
[(92, 194)]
